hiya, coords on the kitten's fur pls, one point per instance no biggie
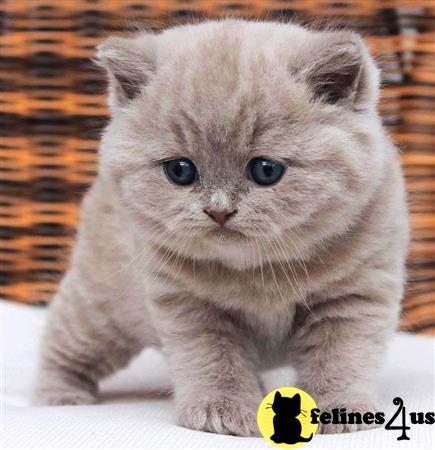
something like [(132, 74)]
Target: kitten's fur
[(316, 279)]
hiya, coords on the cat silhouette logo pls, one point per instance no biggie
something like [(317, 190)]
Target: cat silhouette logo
[(283, 417)]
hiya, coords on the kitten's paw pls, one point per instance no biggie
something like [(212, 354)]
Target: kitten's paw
[(63, 398), (351, 407), (222, 416)]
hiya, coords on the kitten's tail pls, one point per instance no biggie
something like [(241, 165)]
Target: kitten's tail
[(308, 439)]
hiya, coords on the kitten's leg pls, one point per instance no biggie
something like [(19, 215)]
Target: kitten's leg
[(83, 342), (338, 349), (98, 319), (211, 362)]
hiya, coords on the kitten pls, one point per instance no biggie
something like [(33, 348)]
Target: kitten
[(286, 425), (249, 212)]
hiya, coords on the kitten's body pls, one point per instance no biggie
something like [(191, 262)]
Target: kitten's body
[(311, 271)]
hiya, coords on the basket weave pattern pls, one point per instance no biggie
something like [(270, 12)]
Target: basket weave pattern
[(53, 110)]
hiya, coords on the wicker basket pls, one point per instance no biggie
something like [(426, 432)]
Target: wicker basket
[(53, 110)]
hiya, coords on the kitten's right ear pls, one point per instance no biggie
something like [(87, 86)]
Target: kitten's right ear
[(130, 64), (277, 395), (338, 69)]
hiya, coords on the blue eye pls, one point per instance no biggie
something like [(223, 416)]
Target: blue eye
[(181, 171), (264, 171)]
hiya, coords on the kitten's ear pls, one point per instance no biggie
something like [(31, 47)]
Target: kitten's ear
[(297, 397), (130, 64), (339, 70), (277, 395)]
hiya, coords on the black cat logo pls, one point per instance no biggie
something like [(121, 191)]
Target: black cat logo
[(286, 425)]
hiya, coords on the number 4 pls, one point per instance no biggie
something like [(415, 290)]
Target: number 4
[(398, 401)]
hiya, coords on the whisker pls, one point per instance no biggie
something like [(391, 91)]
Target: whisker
[(261, 271), (272, 270)]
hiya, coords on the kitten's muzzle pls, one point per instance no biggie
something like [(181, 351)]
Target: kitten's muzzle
[(220, 216)]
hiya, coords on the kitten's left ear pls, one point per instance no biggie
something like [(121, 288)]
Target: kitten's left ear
[(130, 64), (339, 70)]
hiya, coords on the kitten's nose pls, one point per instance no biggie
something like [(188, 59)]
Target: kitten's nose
[(220, 216)]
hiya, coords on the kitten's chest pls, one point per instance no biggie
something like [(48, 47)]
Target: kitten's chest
[(263, 291), (262, 304), (264, 300)]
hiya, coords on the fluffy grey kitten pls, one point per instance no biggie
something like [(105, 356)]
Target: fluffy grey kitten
[(249, 212)]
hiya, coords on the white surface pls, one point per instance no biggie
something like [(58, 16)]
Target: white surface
[(136, 413)]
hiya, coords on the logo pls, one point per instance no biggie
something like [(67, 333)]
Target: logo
[(288, 418), (284, 419)]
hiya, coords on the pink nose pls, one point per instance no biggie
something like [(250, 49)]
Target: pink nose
[(220, 216)]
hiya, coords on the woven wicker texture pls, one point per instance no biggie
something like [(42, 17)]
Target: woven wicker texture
[(53, 110)]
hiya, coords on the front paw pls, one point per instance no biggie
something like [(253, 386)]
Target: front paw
[(360, 408), (223, 416)]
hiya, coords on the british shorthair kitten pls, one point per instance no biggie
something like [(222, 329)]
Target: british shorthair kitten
[(249, 212)]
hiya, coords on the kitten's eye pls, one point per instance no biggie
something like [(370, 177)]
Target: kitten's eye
[(265, 172), (181, 171)]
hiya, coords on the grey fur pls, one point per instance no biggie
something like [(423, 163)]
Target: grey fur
[(312, 273)]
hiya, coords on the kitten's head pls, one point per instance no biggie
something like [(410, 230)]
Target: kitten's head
[(288, 406), (233, 139)]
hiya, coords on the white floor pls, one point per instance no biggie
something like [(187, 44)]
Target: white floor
[(136, 412)]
